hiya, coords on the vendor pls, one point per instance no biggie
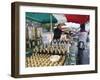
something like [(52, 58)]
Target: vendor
[(58, 32), (81, 44)]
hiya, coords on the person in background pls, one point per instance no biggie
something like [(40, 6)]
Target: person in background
[(27, 38), (82, 36), (30, 35), (57, 32), (88, 37)]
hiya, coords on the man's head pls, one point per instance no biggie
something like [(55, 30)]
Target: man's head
[(60, 25), (82, 27)]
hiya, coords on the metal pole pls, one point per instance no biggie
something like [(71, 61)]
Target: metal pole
[(51, 25)]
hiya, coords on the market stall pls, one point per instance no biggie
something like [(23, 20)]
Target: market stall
[(57, 52)]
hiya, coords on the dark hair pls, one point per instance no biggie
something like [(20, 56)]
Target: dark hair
[(82, 27), (61, 24), (58, 25)]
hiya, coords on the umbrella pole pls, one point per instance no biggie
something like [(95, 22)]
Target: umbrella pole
[(51, 25)]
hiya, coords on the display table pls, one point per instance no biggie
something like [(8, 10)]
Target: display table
[(43, 60)]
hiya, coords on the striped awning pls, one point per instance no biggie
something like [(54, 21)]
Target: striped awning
[(57, 18)]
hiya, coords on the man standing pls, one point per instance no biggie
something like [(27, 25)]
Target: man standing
[(81, 44), (58, 32), (30, 35)]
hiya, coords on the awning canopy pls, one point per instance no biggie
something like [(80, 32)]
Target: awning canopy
[(60, 18), (57, 18), (41, 17), (81, 19)]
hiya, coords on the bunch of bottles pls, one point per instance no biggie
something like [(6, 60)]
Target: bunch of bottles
[(42, 60), (59, 42), (56, 47)]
